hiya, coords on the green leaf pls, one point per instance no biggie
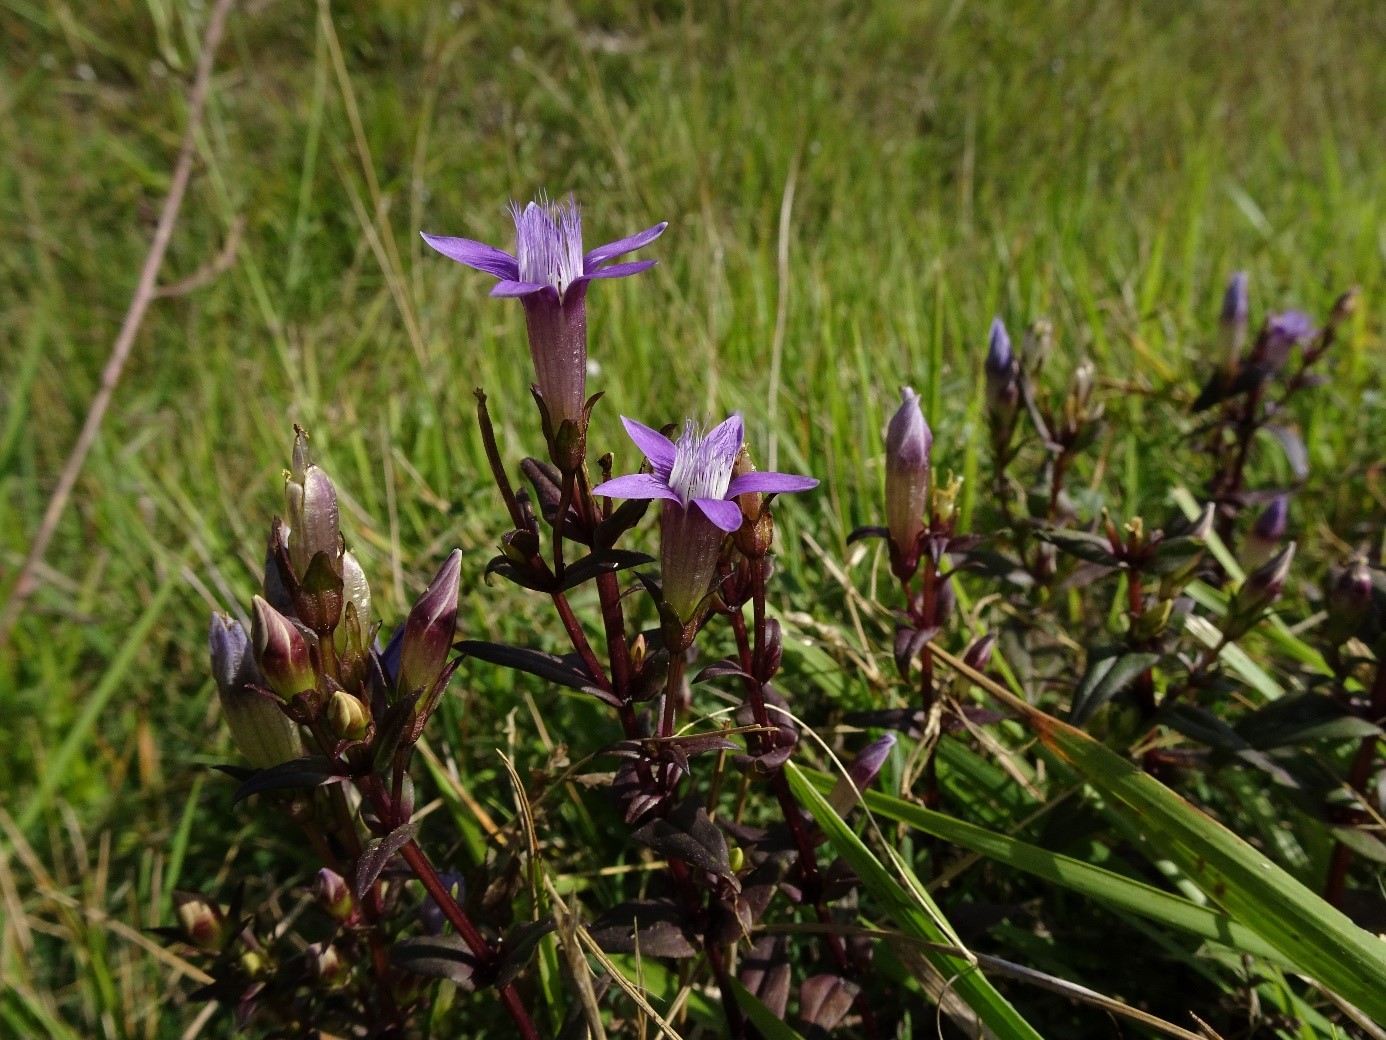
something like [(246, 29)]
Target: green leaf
[(1319, 940), (914, 913)]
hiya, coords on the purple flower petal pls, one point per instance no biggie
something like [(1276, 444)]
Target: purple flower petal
[(658, 448), (770, 484), (510, 287), (1292, 326), (476, 255), (727, 437), (636, 485), (611, 250), (622, 270), (723, 514)]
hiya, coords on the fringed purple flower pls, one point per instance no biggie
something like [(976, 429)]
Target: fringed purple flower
[(694, 479), (549, 274)]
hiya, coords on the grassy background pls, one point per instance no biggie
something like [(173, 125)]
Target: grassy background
[(922, 165)]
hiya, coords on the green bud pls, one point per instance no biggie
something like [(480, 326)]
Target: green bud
[(202, 922), (347, 716), (260, 731), (332, 894), (1261, 589), (281, 651), (1152, 622)]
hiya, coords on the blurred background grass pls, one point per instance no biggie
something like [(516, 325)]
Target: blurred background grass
[(862, 184)]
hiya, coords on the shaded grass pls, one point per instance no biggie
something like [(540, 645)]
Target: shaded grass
[(1104, 165)]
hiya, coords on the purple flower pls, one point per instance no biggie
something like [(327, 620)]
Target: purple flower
[(694, 479), (549, 274), (1290, 327)]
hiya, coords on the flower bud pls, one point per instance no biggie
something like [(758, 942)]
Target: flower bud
[(978, 654), (1267, 532), (357, 590), (1347, 599), (908, 442), (1002, 390), (260, 731), (332, 894), (202, 922), (861, 773), (1261, 588), (314, 523), (774, 650), (1235, 309), (347, 716), (757, 531), (281, 651), (429, 630), (326, 964)]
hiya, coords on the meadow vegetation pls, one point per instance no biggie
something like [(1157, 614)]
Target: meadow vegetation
[(852, 195)]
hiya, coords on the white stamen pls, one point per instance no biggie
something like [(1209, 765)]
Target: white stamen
[(549, 242), (702, 467)]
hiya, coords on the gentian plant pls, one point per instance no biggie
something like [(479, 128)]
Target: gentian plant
[(739, 900)]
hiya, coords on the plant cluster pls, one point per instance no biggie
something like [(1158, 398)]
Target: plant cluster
[(754, 893)]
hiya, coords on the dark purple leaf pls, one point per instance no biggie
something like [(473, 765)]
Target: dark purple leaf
[(765, 972), (1092, 548), (561, 670), (654, 926), (719, 670), (1301, 719), (908, 643), (1174, 554), (314, 771), (390, 730), (376, 855), (601, 561), (688, 834), (908, 721), (862, 533), (824, 1001), (518, 946), (444, 957), (525, 577), (1106, 677)]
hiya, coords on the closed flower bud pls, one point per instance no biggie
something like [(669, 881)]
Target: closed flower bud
[(347, 716), (314, 522), (332, 894), (202, 922), (1261, 589), (774, 650), (1267, 532), (978, 655), (908, 443), (861, 773), (281, 651), (1347, 599), (429, 630), (1003, 393), (326, 964), (1235, 309), (757, 531), (260, 731)]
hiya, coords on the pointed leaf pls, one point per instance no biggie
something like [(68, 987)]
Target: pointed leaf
[(1293, 446), (561, 670), (439, 957), (313, 771), (1104, 679), (655, 926), (688, 834), (376, 855), (601, 561), (518, 946)]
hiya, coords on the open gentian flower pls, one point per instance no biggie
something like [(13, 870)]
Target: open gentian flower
[(693, 477), (549, 273)]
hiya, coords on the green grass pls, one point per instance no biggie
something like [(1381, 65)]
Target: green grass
[(1103, 165)]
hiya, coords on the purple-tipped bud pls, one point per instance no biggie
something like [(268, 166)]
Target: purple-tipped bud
[(978, 654), (908, 442), (347, 716), (1235, 302), (1290, 327), (1267, 532), (281, 651), (326, 964), (1002, 391), (861, 773), (314, 520), (1347, 598), (1261, 589), (202, 921), (260, 731), (332, 894), (429, 631)]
